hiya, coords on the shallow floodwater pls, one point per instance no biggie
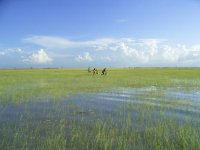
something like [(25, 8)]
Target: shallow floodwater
[(115, 104)]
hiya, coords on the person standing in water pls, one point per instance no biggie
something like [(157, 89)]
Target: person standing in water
[(104, 72), (94, 71)]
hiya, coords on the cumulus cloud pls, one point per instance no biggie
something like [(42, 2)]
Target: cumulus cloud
[(134, 51), (40, 57), (127, 50), (137, 53), (152, 45), (170, 54), (85, 57), (177, 53)]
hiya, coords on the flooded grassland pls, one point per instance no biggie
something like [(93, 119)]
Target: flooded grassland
[(142, 108)]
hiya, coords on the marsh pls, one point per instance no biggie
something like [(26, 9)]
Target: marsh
[(62, 109)]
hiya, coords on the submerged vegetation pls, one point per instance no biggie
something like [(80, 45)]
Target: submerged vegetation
[(131, 108)]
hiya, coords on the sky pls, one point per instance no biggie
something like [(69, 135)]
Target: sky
[(99, 33)]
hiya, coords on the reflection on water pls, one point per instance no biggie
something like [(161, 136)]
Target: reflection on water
[(194, 96), (114, 104)]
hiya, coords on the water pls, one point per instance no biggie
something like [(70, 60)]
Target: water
[(115, 104)]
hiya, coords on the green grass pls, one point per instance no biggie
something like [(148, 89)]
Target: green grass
[(22, 85), (150, 128)]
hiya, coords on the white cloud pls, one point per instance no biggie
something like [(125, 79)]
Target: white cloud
[(106, 58), (49, 41), (152, 42), (152, 45), (179, 53), (7, 51), (101, 44), (133, 51), (127, 50), (11, 52), (41, 57), (17, 50), (85, 57), (170, 54), (52, 42), (196, 47), (2, 53)]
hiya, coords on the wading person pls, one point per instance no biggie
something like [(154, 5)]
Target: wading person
[(94, 71), (104, 72)]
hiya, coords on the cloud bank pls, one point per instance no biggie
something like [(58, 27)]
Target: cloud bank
[(119, 52)]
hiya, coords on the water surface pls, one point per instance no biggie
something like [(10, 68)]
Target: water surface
[(152, 101)]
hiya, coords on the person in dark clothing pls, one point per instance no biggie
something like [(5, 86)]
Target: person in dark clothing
[(104, 72), (94, 71)]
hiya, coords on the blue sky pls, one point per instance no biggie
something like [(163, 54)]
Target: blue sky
[(111, 33)]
